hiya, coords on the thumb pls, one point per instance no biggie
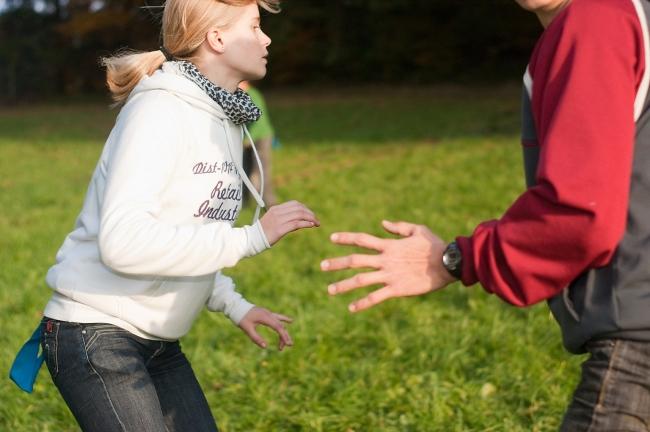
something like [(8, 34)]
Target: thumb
[(404, 229), (252, 333)]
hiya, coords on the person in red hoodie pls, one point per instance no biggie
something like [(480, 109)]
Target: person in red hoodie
[(579, 236)]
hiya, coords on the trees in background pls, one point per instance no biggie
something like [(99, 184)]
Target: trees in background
[(49, 47)]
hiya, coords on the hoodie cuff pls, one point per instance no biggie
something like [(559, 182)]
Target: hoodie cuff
[(225, 299), (257, 241), (468, 276), (239, 311)]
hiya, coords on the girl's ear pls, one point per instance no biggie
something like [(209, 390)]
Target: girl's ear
[(215, 41)]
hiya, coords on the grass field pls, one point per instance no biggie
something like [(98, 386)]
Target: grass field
[(456, 360)]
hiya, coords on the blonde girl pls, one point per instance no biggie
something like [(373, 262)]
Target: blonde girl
[(156, 227)]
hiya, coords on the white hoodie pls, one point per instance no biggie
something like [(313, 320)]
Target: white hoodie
[(156, 226)]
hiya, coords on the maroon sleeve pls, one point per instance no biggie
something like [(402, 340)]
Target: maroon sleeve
[(585, 72)]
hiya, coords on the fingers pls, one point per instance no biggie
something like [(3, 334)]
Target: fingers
[(351, 262), (358, 239), (357, 281), (283, 318), (299, 215), (404, 229), (303, 211), (252, 333), (296, 225), (285, 218), (295, 210), (285, 339), (273, 321), (371, 300)]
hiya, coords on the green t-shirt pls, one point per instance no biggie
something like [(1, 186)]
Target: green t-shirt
[(261, 128)]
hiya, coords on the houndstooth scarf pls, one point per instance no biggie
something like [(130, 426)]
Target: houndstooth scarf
[(238, 106)]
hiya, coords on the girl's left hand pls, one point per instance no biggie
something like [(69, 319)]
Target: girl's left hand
[(257, 316), (287, 217)]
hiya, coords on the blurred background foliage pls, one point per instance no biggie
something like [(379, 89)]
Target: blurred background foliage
[(51, 47)]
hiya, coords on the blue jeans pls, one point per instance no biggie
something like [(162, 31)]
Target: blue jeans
[(614, 390), (113, 380)]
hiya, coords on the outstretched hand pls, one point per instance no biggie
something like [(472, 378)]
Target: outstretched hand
[(260, 316), (408, 266), (284, 218)]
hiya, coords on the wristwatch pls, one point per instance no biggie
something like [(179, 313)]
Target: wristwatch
[(452, 260)]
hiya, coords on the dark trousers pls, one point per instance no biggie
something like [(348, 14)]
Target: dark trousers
[(614, 390), (113, 380)]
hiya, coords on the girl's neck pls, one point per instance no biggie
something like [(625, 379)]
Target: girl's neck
[(218, 76)]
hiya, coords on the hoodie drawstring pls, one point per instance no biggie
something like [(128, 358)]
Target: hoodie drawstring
[(256, 195), (259, 166)]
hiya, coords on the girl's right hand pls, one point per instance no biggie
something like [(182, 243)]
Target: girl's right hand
[(284, 218)]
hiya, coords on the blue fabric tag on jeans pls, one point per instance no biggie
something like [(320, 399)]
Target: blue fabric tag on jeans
[(28, 362)]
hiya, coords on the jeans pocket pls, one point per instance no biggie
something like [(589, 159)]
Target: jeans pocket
[(50, 346), (94, 332)]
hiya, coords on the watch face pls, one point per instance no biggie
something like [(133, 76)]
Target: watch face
[(451, 259), (454, 256)]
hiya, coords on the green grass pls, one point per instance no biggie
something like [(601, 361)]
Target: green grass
[(456, 360)]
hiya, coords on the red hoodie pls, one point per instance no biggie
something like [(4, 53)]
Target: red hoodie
[(585, 71)]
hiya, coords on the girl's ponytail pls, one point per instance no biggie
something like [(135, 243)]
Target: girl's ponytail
[(125, 70)]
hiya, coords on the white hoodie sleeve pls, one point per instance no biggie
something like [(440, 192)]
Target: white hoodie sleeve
[(225, 299), (133, 239)]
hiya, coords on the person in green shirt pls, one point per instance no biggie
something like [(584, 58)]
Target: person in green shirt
[(262, 133)]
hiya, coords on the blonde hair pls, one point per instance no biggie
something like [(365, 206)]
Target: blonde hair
[(184, 26)]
